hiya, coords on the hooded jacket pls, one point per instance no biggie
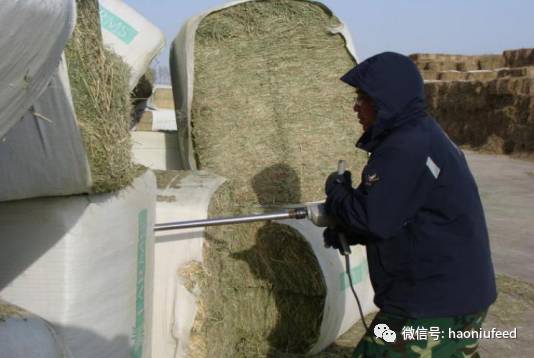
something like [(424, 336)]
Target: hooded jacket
[(417, 208)]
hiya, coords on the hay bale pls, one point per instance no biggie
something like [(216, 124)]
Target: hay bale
[(491, 115), (267, 100), (490, 62), (519, 58), (482, 75), (430, 75), (452, 76), (99, 84), (143, 89), (516, 72)]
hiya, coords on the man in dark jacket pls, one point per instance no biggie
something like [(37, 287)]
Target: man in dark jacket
[(418, 212)]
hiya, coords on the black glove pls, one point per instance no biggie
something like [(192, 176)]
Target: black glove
[(331, 238), (334, 179)]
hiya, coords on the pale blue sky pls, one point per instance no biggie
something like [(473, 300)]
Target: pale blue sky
[(405, 26)]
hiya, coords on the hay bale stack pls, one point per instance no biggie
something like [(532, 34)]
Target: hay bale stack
[(483, 103), (452, 76), (99, 83), (270, 114), (430, 75), (490, 62), (483, 113), (481, 75), (519, 58)]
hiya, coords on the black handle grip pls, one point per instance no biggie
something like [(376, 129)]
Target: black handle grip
[(344, 248)]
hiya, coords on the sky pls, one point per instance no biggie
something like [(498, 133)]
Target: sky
[(405, 26)]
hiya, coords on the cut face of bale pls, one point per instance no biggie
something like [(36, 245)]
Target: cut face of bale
[(99, 81), (270, 114)]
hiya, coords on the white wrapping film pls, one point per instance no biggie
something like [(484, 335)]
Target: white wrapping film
[(341, 310), (85, 265), (176, 306), (131, 36), (43, 154), (34, 34), (183, 73), (24, 335)]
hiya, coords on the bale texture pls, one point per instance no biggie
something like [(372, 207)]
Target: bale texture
[(487, 102), (270, 114), (99, 84)]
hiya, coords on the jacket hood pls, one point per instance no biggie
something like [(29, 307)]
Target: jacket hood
[(396, 87)]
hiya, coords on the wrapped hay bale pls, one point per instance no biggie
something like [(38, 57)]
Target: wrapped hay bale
[(24, 335), (84, 263), (261, 105), (35, 33), (131, 36), (43, 154), (99, 84), (181, 195), (75, 138)]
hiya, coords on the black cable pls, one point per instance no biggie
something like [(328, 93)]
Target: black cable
[(347, 265)]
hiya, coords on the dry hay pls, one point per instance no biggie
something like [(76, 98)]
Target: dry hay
[(269, 114), (145, 123), (519, 58), (143, 89), (8, 310), (446, 62), (163, 99), (99, 84), (494, 115)]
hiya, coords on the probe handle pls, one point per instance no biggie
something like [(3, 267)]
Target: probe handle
[(345, 247)]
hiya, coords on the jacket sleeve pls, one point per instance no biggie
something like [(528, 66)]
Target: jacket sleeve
[(395, 184)]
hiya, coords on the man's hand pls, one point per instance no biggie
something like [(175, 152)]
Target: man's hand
[(334, 179), (331, 238)]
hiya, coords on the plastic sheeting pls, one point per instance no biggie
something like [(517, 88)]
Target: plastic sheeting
[(85, 265), (182, 73), (24, 335), (341, 310), (43, 154), (177, 306), (131, 36), (173, 320), (34, 34)]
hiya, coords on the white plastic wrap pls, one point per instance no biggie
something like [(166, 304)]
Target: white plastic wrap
[(43, 154), (131, 36), (177, 306), (34, 34), (182, 74), (173, 319), (85, 265), (24, 335)]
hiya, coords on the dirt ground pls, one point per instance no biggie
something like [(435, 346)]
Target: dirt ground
[(506, 186)]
